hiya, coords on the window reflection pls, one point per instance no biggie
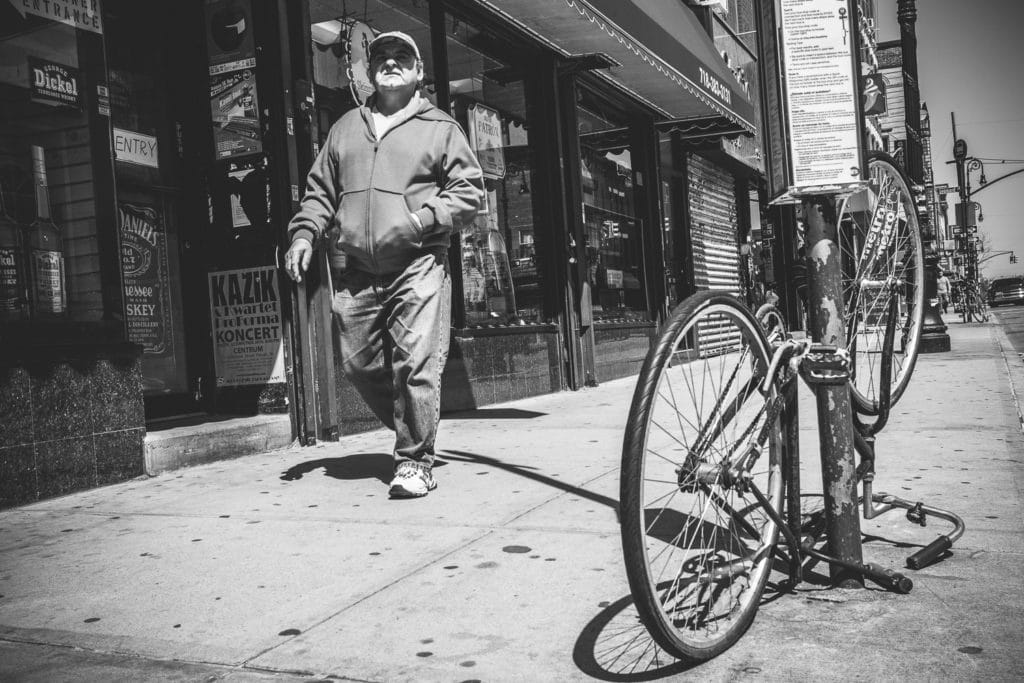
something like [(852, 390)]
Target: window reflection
[(611, 230), (50, 246), (501, 282)]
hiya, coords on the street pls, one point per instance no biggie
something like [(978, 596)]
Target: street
[(1012, 320)]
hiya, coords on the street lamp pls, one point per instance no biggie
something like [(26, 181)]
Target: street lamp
[(973, 164)]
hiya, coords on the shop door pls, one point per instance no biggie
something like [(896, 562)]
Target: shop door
[(201, 213), (150, 96)]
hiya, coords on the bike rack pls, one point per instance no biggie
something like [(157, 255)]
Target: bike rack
[(874, 504)]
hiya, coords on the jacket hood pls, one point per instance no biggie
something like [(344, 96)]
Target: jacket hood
[(426, 111)]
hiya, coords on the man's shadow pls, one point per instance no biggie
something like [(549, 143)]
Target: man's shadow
[(380, 466)]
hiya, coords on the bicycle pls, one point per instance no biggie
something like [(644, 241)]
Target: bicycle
[(710, 480), (974, 307), (710, 469)]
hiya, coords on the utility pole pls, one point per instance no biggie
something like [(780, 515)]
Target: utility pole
[(964, 210), (933, 331)]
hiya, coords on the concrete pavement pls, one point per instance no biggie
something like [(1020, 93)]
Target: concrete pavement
[(295, 565)]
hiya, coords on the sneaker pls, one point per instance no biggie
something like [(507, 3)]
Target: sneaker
[(412, 480)]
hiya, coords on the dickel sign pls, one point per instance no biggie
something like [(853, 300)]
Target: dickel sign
[(54, 84)]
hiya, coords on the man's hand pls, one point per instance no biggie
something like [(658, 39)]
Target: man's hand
[(297, 258)]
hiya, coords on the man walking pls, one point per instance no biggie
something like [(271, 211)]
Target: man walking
[(394, 179), (943, 287)]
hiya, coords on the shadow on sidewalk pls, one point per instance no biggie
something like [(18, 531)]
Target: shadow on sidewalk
[(530, 473), (378, 466), (615, 646)]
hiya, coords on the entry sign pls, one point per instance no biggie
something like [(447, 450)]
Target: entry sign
[(823, 106)]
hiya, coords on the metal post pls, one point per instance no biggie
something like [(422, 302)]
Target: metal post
[(836, 439), (791, 464)]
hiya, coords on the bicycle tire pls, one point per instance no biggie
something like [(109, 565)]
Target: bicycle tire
[(697, 548), (981, 308), (882, 254)]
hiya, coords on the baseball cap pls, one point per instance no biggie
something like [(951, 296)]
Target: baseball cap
[(393, 35)]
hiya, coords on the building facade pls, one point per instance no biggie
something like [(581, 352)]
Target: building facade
[(625, 161)]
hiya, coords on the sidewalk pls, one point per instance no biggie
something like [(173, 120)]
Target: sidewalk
[(294, 565)]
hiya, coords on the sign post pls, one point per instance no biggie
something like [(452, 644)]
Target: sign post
[(824, 114)]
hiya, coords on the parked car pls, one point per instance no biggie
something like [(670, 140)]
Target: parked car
[(1006, 290)]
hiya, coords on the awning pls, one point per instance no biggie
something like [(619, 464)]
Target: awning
[(665, 57)]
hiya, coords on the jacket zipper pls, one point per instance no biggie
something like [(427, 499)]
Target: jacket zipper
[(373, 169)]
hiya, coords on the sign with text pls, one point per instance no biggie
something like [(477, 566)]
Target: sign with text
[(245, 316), (54, 84), (136, 148), (486, 140), (83, 14), (823, 106), (234, 110), (145, 272)]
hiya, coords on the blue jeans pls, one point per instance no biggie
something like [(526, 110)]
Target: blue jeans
[(393, 333)]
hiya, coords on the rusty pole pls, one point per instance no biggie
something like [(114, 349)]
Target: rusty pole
[(835, 433)]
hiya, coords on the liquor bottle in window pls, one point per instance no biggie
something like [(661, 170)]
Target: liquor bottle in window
[(46, 251), (12, 274)]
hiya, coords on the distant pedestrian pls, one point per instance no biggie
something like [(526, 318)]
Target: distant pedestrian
[(394, 179), (944, 288)]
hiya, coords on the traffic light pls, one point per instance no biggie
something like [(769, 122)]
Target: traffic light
[(921, 200), (1013, 257)]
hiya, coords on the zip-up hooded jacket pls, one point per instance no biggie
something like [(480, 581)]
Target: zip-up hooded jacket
[(366, 188)]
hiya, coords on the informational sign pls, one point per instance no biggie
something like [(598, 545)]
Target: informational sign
[(136, 148), (486, 140), (234, 108), (245, 316), (83, 14), (822, 98), (147, 287), (54, 84)]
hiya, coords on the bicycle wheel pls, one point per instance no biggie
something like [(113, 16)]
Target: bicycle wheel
[(772, 322), (981, 308), (700, 436), (883, 264)]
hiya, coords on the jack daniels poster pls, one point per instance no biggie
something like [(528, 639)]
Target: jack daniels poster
[(144, 268)]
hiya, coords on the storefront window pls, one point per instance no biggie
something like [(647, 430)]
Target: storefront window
[(53, 247), (501, 281), (611, 229)]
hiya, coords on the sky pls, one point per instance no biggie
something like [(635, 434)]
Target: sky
[(971, 62)]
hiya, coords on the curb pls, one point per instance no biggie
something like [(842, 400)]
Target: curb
[(1016, 369)]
